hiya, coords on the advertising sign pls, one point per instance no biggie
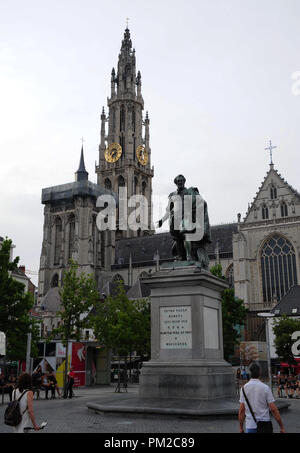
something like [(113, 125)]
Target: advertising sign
[(78, 363)]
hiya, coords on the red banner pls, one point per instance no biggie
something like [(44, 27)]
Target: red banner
[(78, 363)]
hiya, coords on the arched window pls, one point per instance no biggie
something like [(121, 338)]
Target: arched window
[(122, 128), (273, 192), (144, 187), (118, 278), (143, 275), (265, 212), (122, 119), (58, 240), (133, 120), (107, 183), (278, 267), (229, 275), (54, 282), (135, 185), (71, 235), (127, 70), (284, 209), (113, 119), (121, 181)]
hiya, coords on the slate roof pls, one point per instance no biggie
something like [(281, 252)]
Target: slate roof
[(288, 303), (138, 290), (51, 301), (70, 190), (143, 249)]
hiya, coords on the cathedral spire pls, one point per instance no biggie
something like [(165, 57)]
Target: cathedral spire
[(126, 43), (81, 174)]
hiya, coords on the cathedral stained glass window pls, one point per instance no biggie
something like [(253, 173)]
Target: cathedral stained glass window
[(278, 267)]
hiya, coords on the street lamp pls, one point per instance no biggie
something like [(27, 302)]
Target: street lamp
[(267, 316)]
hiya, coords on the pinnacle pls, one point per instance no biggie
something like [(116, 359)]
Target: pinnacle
[(81, 173)]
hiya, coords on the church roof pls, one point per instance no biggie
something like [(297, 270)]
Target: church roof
[(51, 301), (144, 249), (284, 183), (74, 189), (289, 304), (138, 290)]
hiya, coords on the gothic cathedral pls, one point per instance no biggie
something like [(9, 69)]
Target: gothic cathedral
[(260, 255)]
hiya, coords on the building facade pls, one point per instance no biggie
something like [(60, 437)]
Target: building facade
[(259, 254)]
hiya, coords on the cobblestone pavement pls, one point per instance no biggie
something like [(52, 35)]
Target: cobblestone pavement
[(72, 416)]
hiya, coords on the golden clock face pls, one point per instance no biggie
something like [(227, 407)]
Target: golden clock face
[(142, 154), (113, 152)]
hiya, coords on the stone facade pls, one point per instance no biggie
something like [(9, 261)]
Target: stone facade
[(260, 255), (241, 248), (127, 128)]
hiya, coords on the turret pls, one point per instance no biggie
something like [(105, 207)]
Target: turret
[(81, 174)]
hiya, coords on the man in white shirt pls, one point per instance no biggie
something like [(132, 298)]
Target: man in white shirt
[(261, 400)]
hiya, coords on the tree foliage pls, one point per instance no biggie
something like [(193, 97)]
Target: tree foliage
[(78, 295), (233, 315), (283, 329), (15, 305), (123, 324)]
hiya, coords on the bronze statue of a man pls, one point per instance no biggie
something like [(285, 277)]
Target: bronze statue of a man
[(189, 224)]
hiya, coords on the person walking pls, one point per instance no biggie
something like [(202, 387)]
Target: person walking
[(71, 376), (256, 402), (24, 386), (45, 384)]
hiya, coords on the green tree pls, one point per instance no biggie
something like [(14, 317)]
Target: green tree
[(15, 305), (78, 295), (283, 329), (123, 325), (233, 315)]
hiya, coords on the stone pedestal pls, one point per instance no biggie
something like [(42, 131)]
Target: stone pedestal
[(186, 337)]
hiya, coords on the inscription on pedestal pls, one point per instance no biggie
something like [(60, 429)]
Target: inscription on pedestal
[(175, 327)]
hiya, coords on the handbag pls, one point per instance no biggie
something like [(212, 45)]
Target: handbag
[(262, 427)]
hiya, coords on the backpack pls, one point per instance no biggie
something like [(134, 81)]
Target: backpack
[(12, 414)]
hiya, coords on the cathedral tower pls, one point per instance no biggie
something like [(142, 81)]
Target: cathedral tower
[(124, 151)]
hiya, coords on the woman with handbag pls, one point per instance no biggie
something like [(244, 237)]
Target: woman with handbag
[(256, 402)]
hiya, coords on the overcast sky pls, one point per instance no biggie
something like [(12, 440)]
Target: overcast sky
[(217, 80)]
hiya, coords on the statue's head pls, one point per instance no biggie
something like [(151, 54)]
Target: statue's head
[(179, 181)]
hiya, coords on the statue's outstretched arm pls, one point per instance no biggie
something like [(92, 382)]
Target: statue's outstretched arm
[(165, 216)]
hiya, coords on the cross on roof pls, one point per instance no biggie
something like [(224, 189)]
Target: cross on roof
[(127, 20), (82, 140), (270, 148)]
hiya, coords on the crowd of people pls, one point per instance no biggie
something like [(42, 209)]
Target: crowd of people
[(41, 381), (288, 386)]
